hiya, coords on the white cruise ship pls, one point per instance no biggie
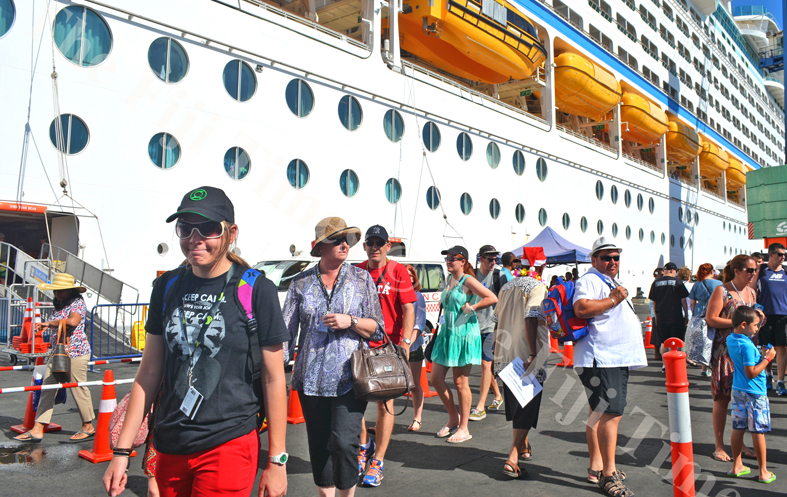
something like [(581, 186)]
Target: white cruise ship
[(447, 121)]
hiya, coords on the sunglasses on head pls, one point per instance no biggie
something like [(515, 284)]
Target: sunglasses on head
[(749, 270), (207, 230), (452, 258), (607, 258), (375, 243)]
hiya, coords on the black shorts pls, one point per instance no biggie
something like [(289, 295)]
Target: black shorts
[(606, 388), (416, 355), (775, 331), (523, 418), (667, 331)]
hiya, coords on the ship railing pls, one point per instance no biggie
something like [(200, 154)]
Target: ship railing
[(641, 162), (711, 192), (682, 180), (592, 141)]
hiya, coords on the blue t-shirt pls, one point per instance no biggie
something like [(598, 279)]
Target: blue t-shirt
[(508, 274), (743, 353), (701, 292), (420, 320), (773, 292)]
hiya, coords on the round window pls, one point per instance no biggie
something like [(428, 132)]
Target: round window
[(680, 214), (431, 136), (672, 240), (641, 234), (628, 232), (393, 190), (651, 205), (494, 208), (466, 203), (627, 198), (239, 80), (614, 229), (464, 146), (433, 197), (542, 217), (237, 163), (566, 221), (297, 173), (393, 124), (493, 155), (81, 35), (600, 227), (681, 242), (519, 163), (164, 150), (599, 190), (168, 60), (348, 182), (541, 169), (300, 98), (350, 112), (520, 213), (689, 217), (613, 194), (7, 14), (640, 201), (69, 134), (663, 238), (652, 237), (583, 224)]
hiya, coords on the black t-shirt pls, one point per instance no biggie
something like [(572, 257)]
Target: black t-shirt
[(222, 363), (667, 293)]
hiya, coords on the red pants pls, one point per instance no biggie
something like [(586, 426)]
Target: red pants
[(229, 469)]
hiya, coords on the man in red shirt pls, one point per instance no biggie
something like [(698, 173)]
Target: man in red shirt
[(396, 299)]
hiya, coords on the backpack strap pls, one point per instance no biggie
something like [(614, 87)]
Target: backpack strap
[(171, 283), (244, 298), (497, 284)]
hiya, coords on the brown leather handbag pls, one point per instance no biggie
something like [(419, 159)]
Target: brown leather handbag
[(60, 361), (381, 373)]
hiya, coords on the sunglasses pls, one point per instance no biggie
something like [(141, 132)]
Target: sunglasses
[(337, 241), (375, 243), (780, 254), (452, 258), (207, 230), (607, 258), (490, 259), (749, 270)]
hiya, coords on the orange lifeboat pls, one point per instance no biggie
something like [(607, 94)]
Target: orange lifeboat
[(491, 44), (713, 160), (646, 122), (736, 177), (584, 88), (683, 143)]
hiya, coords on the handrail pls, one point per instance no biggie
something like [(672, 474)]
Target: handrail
[(595, 142)]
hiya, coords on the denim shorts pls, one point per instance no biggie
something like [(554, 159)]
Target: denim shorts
[(750, 412), (487, 346)]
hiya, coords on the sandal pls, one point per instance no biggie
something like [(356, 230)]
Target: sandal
[(28, 437), (446, 431), (515, 471), (614, 487), (88, 436), (745, 471), (721, 456), (768, 480), (459, 439), (594, 475), (413, 426), (527, 454)]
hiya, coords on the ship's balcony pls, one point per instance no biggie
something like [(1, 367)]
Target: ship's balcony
[(704, 7), (775, 88)]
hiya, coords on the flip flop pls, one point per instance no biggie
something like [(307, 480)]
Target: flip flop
[(515, 472), (769, 480), (72, 440), (413, 427), (446, 431), (746, 470), (459, 440), (28, 437), (720, 456), (748, 453)]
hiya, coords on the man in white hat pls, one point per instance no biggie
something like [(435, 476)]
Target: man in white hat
[(604, 357)]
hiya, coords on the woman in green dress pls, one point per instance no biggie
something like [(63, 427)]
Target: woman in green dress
[(458, 344)]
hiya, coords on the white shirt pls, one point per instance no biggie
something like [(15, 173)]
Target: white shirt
[(614, 337)]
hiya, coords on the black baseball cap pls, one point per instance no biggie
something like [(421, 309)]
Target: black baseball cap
[(671, 266), (488, 249), (377, 231), (208, 202), (456, 250)]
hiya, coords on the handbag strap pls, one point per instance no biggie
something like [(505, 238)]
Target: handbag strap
[(61, 329), (407, 394)]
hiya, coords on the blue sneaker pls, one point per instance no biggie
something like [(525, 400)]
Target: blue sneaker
[(780, 388), (768, 382), (364, 456), (374, 476)]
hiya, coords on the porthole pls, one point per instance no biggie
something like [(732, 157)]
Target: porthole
[(393, 124), (696, 218), (600, 227), (724, 225), (393, 190), (680, 214), (663, 238), (7, 15), (350, 112), (237, 163), (688, 216), (542, 217), (348, 182), (640, 201), (641, 234), (466, 203), (433, 197), (520, 213), (725, 250), (583, 224), (681, 241), (691, 244), (162, 249), (494, 208), (566, 221), (652, 237), (672, 240), (729, 228), (81, 35), (168, 60), (614, 229), (72, 137), (300, 98), (613, 194), (599, 190), (464, 146), (297, 173), (164, 150), (628, 232), (519, 163), (493, 155), (541, 169), (239, 80), (431, 136), (627, 198), (651, 205)]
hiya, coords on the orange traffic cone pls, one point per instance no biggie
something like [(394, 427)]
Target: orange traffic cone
[(553, 345), (648, 332), (27, 322), (568, 355), (101, 451), (425, 386), (294, 409), (30, 412)]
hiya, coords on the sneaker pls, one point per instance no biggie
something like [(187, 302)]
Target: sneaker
[(364, 456), (780, 388), (663, 369), (374, 476), (769, 382), (476, 415), (496, 405)]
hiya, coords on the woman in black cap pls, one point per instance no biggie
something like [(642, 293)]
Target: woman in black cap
[(212, 327), (458, 344)]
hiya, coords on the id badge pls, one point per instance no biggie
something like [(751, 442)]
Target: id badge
[(321, 327), (191, 403)]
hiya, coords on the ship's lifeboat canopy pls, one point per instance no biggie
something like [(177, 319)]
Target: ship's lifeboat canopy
[(683, 143), (583, 87), (736, 177), (645, 120), (713, 159)]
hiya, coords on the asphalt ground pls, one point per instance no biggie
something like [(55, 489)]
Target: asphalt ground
[(418, 463)]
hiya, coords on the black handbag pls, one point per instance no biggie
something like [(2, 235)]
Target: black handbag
[(430, 345), (381, 373), (60, 360)]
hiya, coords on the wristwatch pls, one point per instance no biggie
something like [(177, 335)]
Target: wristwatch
[(354, 321), (280, 459), (407, 341)]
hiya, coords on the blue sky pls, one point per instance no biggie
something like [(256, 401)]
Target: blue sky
[(773, 6)]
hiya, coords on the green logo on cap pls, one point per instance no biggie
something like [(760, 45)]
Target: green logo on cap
[(198, 195)]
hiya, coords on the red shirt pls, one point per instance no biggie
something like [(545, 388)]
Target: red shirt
[(394, 289)]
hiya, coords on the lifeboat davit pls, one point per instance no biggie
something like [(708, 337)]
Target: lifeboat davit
[(683, 143), (713, 160), (645, 120), (736, 177), (456, 36), (584, 88)]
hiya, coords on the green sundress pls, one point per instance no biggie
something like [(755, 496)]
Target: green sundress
[(459, 341)]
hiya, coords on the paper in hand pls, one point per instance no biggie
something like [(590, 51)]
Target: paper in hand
[(524, 386)]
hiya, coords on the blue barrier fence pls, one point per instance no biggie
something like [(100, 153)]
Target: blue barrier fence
[(112, 330), (11, 316)]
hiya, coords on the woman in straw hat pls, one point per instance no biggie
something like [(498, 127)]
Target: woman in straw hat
[(336, 307), (71, 309), (201, 341)]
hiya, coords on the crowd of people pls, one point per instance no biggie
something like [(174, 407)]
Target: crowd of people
[(213, 365)]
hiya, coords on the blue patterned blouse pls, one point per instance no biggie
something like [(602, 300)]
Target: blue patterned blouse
[(322, 367)]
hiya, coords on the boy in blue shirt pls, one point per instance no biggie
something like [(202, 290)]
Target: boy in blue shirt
[(750, 408)]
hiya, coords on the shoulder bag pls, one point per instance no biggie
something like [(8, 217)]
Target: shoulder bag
[(381, 373), (60, 361)]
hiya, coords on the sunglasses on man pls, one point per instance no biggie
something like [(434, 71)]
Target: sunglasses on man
[(375, 243), (490, 259), (607, 258), (207, 230)]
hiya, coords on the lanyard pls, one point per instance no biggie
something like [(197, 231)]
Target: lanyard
[(382, 275), (328, 296), (739, 294), (206, 324)]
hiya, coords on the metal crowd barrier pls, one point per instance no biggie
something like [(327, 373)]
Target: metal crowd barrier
[(117, 331)]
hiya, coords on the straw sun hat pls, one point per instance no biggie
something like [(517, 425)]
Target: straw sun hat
[(332, 227), (62, 281)]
